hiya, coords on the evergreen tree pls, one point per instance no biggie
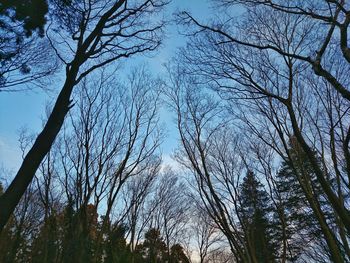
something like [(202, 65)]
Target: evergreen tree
[(153, 249), (254, 213), (178, 255), (116, 249), (19, 19), (69, 240), (30, 13), (45, 247), (300, 221)]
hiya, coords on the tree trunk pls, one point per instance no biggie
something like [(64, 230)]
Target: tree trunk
[(42, 145)]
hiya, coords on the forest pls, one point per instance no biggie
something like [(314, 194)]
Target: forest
[(257, 99)]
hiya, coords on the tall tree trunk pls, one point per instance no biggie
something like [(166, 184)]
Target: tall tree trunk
[(40, 148)]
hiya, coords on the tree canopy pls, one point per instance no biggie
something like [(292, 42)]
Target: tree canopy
[(259, 100)]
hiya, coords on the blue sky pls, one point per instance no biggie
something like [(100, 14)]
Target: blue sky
[(27, 109)]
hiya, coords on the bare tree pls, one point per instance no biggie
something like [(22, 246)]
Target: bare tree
[(205, 234), (208, 151), (170, 215), (220, 256), (95, 34), (112, 136), (138, 206), (324, 18), (262, 65)]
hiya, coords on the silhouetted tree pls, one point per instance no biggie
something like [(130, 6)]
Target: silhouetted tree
[(255, 210), (30, 13), (116, 249), (178, 255), (101, 32), (245, 65), (153, 247), (46, 245), (293, 178)]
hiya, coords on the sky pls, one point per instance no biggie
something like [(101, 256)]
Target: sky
[(26, 109)]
